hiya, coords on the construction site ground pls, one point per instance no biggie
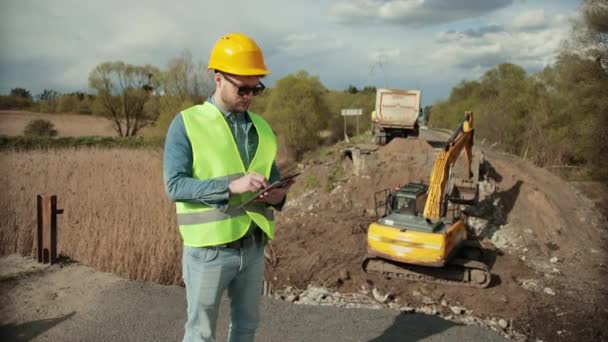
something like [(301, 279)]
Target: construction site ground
[(550, 270)]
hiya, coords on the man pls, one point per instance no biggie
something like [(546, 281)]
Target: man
[(217, 156)]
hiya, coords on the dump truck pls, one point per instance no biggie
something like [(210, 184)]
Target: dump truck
[(395, 115)]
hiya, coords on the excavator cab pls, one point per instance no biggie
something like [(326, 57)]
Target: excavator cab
[(409, 199)]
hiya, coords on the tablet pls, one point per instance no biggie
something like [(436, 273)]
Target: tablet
[(278, 184)]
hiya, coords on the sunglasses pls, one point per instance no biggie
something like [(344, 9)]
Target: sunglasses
[(245, 90)]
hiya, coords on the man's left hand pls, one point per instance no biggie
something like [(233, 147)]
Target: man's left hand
[(276, 195)]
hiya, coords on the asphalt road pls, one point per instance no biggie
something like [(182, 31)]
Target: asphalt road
[(135, 311)]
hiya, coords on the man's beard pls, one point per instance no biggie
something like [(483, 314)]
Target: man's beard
[(239, 106)]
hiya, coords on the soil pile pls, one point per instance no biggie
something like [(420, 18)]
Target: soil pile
[(551, 263)]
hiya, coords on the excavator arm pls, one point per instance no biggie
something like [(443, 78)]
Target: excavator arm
[(461, 139)]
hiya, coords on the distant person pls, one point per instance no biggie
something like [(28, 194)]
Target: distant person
[(217, 155)]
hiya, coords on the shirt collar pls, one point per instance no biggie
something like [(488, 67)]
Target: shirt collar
[(222, 110)]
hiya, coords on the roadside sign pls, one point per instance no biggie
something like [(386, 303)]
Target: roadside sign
[(356, 112), (352, 112)]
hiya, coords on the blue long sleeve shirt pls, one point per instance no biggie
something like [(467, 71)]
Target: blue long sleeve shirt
[(177, 162)]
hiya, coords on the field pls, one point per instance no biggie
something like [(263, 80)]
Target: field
[(67, 125), (551, 235), (116, 216)]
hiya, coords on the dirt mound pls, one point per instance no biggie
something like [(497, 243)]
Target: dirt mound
[(552, 258), (403, 146)]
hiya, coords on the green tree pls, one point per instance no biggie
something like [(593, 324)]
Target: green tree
[(21, 92), (167, 107), (260, 103), (505, 108), (48, 101), (582, 81), (464, 97), (298, 112), (352, 89), (122, 92)]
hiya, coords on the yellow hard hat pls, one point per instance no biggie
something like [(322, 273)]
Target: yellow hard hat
[(237, 54)]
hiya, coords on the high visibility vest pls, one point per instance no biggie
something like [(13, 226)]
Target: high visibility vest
[(215, 154)]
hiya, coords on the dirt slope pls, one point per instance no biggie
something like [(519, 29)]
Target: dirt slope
[(549, 275)]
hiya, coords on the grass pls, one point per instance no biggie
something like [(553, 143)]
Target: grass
[(24, 143), (117, 217), (312, 181)]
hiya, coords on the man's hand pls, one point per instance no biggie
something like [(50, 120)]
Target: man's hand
[(275, 196), (250, 183)]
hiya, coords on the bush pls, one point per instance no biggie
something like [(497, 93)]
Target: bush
[(14, 102), (40, 128)]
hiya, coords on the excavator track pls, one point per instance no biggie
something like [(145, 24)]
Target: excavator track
[(458, 271)]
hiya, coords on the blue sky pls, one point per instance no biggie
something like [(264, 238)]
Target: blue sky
[(413, 44)]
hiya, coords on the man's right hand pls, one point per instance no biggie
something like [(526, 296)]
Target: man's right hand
[(250, 183)]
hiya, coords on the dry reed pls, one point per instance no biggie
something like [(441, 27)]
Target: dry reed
[(117, 217)]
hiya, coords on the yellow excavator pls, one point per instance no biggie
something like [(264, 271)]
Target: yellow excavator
[(422, 234)]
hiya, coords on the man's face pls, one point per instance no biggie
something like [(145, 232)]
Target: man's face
[(227, 87)]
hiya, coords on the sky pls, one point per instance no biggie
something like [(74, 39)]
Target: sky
[(431, 45)]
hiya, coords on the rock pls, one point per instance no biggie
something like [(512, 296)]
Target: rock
[(554, 260), (364, 289), (427, 300), (503, 324), (343, 274), (444, 303), (531, 285), (336, 189), (379, 297), (394, 306), (428, 310), (469, 320), (525, 250), (291, 298), (549, 291), (314, 295), (457, 309)]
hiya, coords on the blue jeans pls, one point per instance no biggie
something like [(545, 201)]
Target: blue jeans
[(207, 272)]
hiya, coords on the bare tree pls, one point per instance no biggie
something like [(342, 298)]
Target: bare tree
[(122, 92), (186, 79)]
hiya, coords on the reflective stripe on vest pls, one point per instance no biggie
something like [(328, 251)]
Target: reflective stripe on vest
[(215, 154)]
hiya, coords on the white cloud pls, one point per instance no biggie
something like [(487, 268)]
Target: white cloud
[(415, 13), (531, 48), (531, 20), (305, 44)]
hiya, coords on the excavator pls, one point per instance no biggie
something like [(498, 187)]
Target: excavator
[(422, 234)]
